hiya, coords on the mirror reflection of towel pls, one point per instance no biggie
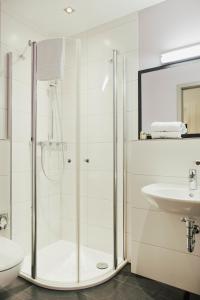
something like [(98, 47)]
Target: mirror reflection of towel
[(168, 127), (166, 135)]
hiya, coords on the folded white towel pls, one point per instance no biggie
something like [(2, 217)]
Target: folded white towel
[(166, 135), (169, 127)]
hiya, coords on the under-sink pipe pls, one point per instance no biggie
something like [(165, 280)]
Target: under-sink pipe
[(192, 230)]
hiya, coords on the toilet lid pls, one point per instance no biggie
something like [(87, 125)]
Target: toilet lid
[(10, 254)]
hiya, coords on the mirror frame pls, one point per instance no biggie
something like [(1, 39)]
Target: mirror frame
[(153, 69)]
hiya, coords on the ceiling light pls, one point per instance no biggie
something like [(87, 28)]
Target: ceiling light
[(181, 54), (69, 10)]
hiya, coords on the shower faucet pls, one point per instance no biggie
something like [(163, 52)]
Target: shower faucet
[(193, 179)]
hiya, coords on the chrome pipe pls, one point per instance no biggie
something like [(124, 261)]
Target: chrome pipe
[(34, 159), (124, 163), (115, 165), (192, 229), (9, 59)]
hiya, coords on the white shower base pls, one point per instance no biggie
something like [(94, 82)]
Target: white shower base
[(57, 266)]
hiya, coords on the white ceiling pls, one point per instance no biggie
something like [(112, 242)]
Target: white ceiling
[(48, 15)]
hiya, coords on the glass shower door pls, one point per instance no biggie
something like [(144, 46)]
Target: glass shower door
[(101, 236), (57, 231)]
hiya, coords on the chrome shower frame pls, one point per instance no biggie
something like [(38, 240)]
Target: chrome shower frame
[(9, 62), (34, 159)]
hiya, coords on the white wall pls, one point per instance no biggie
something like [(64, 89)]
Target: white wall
[(158, 238), (165, 26)]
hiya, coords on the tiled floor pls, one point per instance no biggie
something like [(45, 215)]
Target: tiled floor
[(125, 286)]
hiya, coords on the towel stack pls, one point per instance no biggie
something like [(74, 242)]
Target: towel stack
[(167, 130)]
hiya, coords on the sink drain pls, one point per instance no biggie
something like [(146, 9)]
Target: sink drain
[(102, 265)]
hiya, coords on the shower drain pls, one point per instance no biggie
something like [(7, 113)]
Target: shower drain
[(102, 265)]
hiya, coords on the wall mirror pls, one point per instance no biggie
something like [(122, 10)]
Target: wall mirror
[(170, 93)]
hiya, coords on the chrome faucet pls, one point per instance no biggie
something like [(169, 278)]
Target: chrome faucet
[(193, 179)]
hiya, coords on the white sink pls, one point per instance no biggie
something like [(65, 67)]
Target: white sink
[(173, 198)]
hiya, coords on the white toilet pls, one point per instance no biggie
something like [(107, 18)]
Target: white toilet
[(11, 258)]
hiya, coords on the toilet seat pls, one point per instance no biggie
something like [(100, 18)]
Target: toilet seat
[(10, 254)]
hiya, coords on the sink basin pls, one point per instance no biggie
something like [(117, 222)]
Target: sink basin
[(173, 198)]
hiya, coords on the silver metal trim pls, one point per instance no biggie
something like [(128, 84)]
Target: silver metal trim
[(124, 163), (33, 159), (78, 210), (115, 163), (9, 59)]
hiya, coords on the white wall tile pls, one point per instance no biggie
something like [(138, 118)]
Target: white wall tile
[(100, 100), (100, 45), (100, 184), (5, 194), (132, 125), (15, 33), (99, 72), (171, 267), (136, 182), (21, 187), (101, 156), (165, 158), (132, 96), (21, 124), (21, 214), (160, 229), (157, 234), (100, 238), (3, 123), (100, 128), (4, 157), (21, 100), (100, 213), (21, 157)]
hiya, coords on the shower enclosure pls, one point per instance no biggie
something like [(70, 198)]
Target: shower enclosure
[(77, 220)]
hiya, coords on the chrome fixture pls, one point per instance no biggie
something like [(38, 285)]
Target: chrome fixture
[(3, 221), (53, 145), (192, 230), (115, 154), (102, 265), (69, 10), (9, 126), (197, 162), (193, 179)]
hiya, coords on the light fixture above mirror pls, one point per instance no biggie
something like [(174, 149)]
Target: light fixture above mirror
[(181, 54)]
